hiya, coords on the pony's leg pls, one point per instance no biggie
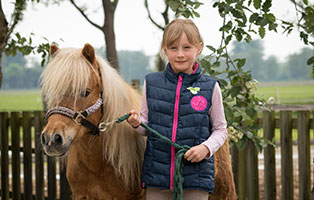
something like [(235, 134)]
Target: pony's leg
[(224, 183)]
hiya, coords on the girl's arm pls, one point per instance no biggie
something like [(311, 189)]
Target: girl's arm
[(144, 112), (218, 121)]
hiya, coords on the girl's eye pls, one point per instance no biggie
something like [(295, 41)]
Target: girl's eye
[(87, 92), (173, 48), (187, 47)]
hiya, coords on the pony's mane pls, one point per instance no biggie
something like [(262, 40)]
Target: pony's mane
[(123, 146), (67, 73)]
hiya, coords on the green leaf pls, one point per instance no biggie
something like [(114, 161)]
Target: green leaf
[(236, 13), (271, 17), (257, 4), (261, 32), (253, 17), (266, 5), (211, 48), (240, 62), (174, 5), (238, 35), (310, 61), (249, 134), (306, 2), (196, 14)]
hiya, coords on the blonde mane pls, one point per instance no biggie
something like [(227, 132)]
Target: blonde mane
[(67, 74)]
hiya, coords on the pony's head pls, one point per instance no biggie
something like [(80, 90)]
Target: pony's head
[(72, 89)]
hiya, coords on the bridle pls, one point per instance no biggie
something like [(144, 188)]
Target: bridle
[(80, 117)]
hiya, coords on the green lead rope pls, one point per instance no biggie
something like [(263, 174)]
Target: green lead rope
[(178, 178)]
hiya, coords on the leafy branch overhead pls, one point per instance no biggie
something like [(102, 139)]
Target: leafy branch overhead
[(241, 20), (12, 42)]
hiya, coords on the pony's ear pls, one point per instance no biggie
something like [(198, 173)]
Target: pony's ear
[(89, 53), (53, 49)]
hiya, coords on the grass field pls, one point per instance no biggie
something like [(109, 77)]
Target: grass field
[(18, 100), (284, 93), (297, 93)]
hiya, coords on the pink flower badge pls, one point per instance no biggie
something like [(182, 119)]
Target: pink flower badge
[(199, 103)]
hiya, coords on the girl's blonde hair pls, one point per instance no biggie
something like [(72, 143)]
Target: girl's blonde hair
[(175, 29)]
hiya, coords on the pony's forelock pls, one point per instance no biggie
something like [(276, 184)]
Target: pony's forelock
[(65, 75)]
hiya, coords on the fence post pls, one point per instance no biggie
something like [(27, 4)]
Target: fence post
[(16, 166), (269, 156), (252, 171), (4, 126), (38, 122), (65, 190), (242, 174), (27, 152), (285, 124), (304, 154), (235, 166), (51, 169)]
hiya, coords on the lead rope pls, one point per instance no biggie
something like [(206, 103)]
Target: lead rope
[(178, 178)]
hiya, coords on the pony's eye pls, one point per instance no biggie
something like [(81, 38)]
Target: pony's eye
[(87, 92)]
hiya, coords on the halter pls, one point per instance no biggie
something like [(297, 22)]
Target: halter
[(80, 117)]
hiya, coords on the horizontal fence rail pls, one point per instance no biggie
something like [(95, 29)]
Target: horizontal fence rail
[(44, 177)]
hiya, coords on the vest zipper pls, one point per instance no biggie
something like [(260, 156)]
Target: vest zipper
[(174, 130)]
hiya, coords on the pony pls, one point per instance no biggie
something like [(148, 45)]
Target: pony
[(84, 96)]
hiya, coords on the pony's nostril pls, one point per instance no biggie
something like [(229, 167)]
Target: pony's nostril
[(43, 138), (57, 139)]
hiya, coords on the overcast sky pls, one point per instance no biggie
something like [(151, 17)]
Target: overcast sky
[(64, 25)]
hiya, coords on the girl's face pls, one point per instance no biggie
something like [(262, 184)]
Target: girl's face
[(182, 55)]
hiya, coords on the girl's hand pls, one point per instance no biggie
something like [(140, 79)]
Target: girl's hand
[(196, 153), (134, 120)]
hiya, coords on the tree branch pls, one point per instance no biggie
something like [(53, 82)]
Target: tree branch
[(150, 17), (84, 15), (16, 17)]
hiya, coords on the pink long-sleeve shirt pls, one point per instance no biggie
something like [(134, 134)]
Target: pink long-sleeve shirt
[(217, 120)]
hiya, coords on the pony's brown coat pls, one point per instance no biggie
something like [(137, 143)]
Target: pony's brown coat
[(109, 166)]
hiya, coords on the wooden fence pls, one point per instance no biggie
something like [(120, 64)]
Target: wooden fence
[(39, 171), (44, 178)]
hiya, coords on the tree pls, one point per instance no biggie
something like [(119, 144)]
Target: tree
[(107, 28), (134, 65), (11, 42), (165, 14), (296, 66), (253, 52)]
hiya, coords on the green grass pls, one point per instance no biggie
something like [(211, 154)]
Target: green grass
[(294, 134), (20, 100), (289, 94)]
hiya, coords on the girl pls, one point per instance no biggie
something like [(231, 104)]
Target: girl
[(185, 106)]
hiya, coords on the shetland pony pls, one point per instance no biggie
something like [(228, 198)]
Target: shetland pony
[(84, 94)]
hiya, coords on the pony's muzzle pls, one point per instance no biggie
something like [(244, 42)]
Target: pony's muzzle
[(52, 139)]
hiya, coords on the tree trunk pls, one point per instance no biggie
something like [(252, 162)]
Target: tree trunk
[(108, 30), (161, 64), (3, 35)]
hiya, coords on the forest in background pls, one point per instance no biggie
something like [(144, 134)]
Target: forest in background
[(22, 73)]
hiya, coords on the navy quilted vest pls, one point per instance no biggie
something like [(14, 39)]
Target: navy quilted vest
[(178, 106)]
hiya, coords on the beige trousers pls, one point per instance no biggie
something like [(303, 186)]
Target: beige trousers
[(160, 194)]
